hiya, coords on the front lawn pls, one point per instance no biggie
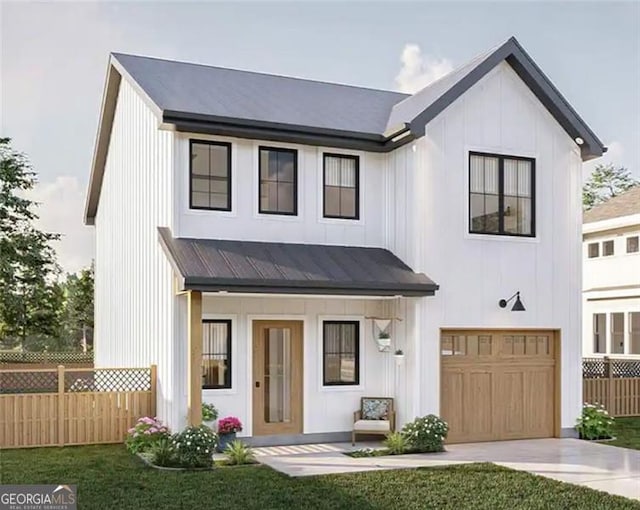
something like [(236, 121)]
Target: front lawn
[(627, 433), (108, 477)]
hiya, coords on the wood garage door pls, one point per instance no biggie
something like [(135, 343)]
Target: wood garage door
[(498, 385)]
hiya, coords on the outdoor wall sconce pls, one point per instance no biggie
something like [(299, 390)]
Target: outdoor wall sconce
[(517, 306)]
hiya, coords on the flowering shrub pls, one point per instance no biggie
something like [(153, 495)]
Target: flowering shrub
[(426, 434), (145, 433), (595, 422), (194, 446), (209, 412), (229, 425)]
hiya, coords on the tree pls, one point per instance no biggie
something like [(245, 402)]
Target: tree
[(605, 182), (77, 315), (30, 299)]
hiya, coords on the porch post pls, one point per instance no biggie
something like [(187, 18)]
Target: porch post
[(194, 333)]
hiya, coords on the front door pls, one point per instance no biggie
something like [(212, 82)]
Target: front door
[(277, 377)]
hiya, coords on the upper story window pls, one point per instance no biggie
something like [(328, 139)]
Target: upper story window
[(607, 248), (216, 354), (278, 169), (594, 250), (501, 195), (341, 186), (632, 244), (210, 175)]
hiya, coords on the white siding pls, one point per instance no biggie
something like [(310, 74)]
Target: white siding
[(610, 284), (497, 115), (244, 222), (326, 409), (134, 295)]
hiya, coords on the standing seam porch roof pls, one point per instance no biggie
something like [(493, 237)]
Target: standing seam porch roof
[(216, 265), (204, 99)]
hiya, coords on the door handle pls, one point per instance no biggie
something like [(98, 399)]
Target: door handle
[(257, 384)]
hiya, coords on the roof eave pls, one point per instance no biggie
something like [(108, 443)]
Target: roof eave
[(513, 53)]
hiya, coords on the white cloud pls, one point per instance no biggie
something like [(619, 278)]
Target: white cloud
[(419, 70), (614, 155), (61, 211)]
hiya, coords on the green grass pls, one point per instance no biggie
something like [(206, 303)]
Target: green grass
[(627, 433), (108, 477)]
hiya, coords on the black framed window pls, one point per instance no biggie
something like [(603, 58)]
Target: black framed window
[(607, 248), (341, 186), (632, 244), (278, 181), (599, 333), (594, 250), (341, 353), (216, 354), (210, 175), (501, 195)]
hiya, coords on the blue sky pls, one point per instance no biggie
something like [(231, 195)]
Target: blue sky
[(54, 56)]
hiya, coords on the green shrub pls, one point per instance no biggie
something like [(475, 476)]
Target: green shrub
[(365, 452), (146, 432), (239, 453), (209, 412), (395, 443), (595, 422), (194, 446), (162, 453), (426, 434)]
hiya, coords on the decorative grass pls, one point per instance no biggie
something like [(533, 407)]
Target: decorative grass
[(109, 477), (627, 433)]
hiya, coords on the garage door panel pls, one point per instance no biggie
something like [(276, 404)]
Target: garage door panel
[(498, 384), (478, 405)]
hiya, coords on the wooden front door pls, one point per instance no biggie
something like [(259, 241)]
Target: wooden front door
[(498, 385), (277, 377)]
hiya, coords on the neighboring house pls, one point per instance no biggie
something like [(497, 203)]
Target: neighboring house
[(611, 277), (254, 232)]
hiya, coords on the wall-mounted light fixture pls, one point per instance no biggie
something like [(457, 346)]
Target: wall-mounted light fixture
[(517, 306)]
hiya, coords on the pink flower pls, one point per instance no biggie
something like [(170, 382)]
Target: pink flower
[(229, 425)]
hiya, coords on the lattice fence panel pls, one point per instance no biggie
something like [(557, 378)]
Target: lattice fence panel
[(130, 379), (593, 368), (61, 358), (597, 368), (29, 382)]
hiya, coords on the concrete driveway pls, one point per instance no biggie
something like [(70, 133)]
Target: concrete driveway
[(598, 466)]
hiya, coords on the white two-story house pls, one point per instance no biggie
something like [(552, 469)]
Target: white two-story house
[(611, 281), (255, 235)]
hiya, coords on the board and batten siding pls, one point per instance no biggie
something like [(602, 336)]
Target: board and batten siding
[(309, 226), (499, 114), (325, 408), (134, 298)]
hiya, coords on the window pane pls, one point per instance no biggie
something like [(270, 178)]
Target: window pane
[(491, 172), (340, 352), (331, 201), (219, 200), (216, 347), (219, 161), (268, 196), (200, 159), (607, 248), (285, 166), (285, 198), (200, 184), (348, 203), (199, 199), (617, 333), (594, 250), (599, 333), (634, 333), (632, 244)]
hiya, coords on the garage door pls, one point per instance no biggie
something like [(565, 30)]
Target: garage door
[(498, 385)]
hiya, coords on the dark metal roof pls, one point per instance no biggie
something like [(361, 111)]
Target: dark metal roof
[(196, 98), (219, 94), (259, 267)]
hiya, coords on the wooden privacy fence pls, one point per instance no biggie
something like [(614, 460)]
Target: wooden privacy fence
[(614, 383), (73, 406)]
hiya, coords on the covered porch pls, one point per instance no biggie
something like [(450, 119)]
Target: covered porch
[(285, 336)]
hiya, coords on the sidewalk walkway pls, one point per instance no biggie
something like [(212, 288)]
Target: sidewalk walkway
[(602, 467)]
